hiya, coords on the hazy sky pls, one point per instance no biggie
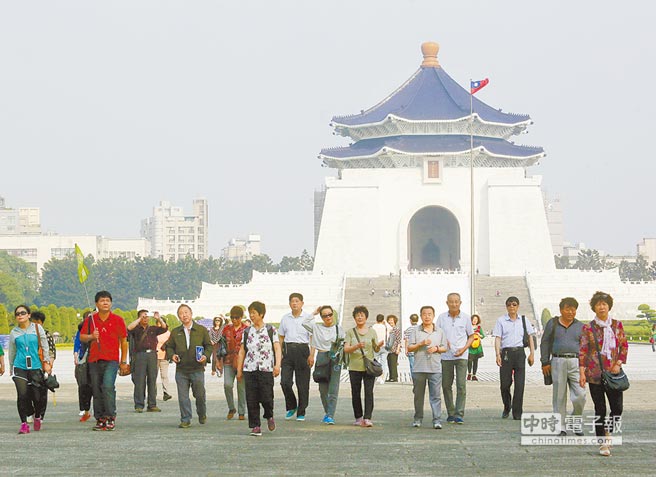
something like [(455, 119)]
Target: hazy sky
[(108, 107)]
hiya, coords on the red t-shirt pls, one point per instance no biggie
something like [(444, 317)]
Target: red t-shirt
[(106, 348)]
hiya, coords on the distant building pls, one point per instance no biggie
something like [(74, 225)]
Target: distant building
[(20, 221), (173, 235), (241, 250), (39, 249), (571, 251), (647, 248)]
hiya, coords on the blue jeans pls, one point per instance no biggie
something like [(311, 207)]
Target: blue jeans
[(196, 381), (434, 381), (330, 390), (411, 360), (103, 384)]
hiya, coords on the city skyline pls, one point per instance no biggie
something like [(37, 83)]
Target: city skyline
[(189, 101)]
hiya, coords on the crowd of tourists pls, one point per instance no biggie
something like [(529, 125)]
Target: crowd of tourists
[(442, 351)]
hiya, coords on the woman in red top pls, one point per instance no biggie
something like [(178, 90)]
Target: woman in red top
[(233, 334), (613, 347)]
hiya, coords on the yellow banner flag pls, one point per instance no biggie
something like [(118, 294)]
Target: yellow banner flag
[(82, 270)]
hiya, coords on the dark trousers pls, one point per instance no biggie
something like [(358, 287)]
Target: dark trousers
[(294, 362), (357, 377), (103, 383), (393, 364), (513, 361), (144, 373), (29, 389), (42, 396), (259, 390), (616, 401), (472, 363), (84, 393)]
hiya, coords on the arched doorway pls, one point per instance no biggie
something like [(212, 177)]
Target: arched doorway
[(433, 239)]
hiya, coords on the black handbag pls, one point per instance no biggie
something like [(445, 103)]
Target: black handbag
[(52, 383), (222, 348), (322, 368), (371, 366), (548, 378), (612, 382), (527, 336)]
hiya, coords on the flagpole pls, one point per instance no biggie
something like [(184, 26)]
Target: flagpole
[(472, 276)]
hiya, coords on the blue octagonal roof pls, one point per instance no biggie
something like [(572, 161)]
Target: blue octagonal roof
[(430, 94), (432, 144)]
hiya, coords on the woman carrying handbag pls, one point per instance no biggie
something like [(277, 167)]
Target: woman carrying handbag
[(361, 344), (28, 359), (603, 350)]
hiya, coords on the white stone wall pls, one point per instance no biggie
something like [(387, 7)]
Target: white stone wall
[(423, 288), (364, 228), (272, 289), (548, 289)]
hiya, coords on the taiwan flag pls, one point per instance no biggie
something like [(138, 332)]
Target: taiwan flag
[(477, 85)]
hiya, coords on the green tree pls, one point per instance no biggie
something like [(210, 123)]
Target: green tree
[(306, 261), (60, 285), (4, 320), (589, 260), (646, 312), (10, 292), (561, 262), (288, 264), (18, 280), (546, 316), (637, 271)]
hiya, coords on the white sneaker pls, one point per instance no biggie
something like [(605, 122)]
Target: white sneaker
[(604, 450), (30, 419), (81, 413)]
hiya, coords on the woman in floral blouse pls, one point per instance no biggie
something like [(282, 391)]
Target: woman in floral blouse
[(612, 344), (258, 363)]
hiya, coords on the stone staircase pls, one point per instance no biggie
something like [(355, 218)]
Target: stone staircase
[(494, 306), (386, 298)]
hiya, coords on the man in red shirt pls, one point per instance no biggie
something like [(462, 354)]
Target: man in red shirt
[(108, 335)]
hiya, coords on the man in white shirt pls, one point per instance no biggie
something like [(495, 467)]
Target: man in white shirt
[(511, 359), (295, 343), (459, 332)]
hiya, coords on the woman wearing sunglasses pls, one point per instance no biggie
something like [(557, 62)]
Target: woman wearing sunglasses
[(327, 339), (27, 367)]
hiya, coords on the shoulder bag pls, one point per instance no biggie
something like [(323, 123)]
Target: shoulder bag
[(371, 366), (324, 364), (548, 378), (611, 382), (527, 336), (51, 381)]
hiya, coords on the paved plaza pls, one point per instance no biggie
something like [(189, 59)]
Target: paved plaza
[(151, 444)]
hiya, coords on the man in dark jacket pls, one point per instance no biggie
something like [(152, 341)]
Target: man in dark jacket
[(190, 348)]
